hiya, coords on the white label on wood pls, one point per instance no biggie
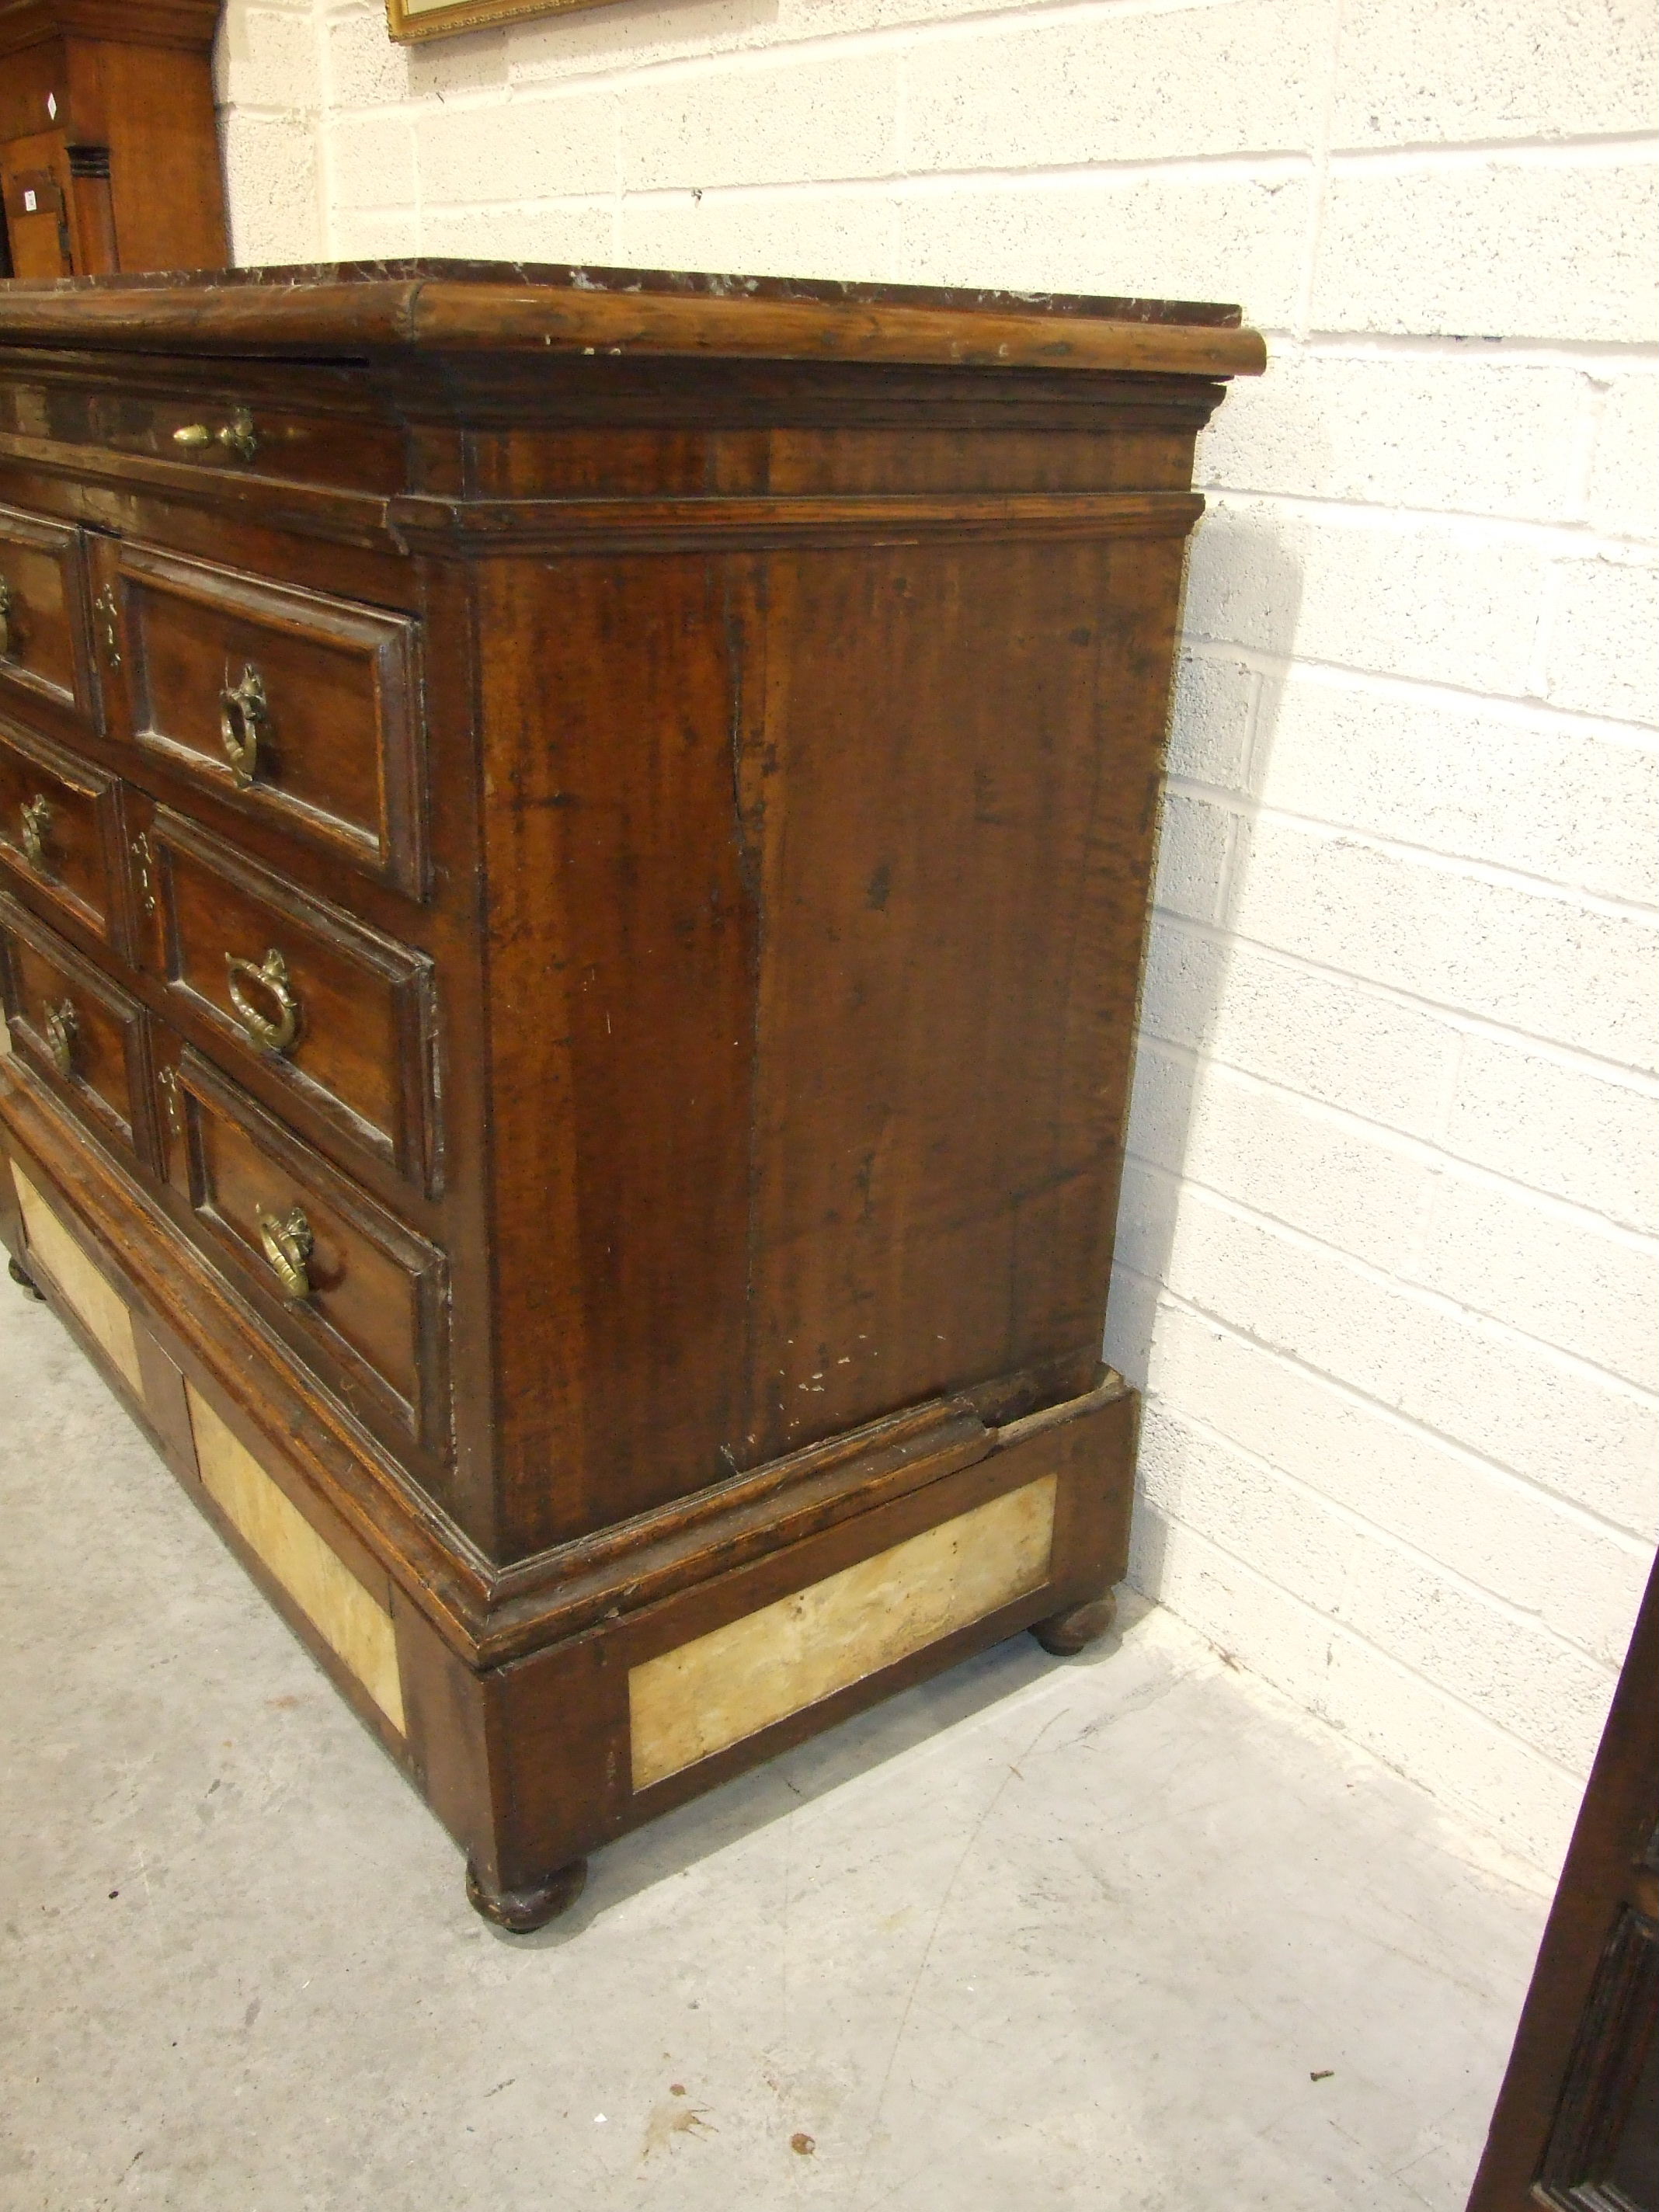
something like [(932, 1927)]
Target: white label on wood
[(694, 1700), (351, 1622), (99, 1307)]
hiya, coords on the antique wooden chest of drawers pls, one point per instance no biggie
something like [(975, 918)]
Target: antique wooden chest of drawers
[(574, 849)]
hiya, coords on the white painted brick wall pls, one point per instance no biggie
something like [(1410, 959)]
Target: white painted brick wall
[(1389, 1245)]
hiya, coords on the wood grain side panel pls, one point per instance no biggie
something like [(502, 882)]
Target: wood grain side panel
[(620, 950), (956, 843), (691, 1702), (357, 1629)]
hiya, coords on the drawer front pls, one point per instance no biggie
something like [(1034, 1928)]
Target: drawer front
[(301, 708), (46, 616), (338, 1017), (60, 834), (80, 1032), (135, 408), (356, 1294), (242, 435)]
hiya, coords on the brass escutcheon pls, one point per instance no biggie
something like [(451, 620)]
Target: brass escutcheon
[(37, 821), (287, 1248), (62, 1029), (145, 857), (242, 713), (169, 1082), (271, 975), (104, 604)]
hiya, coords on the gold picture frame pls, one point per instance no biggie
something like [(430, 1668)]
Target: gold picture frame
[(410, 21)]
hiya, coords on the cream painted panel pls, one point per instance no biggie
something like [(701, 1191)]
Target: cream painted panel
[(99, 1307), (331, 1598), (694, 1701)]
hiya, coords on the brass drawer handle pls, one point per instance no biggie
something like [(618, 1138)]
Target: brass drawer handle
[(6, 639), (287, 1248), (62, 1029), (237, 436), (37, 821), (243, 713), (270, 975)]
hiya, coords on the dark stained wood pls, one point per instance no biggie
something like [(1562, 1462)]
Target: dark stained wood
[(62, 837), (320, 697), (107, 106), (467, 308), (85, 1034), (45, 652), (375, 1313), (690, 893), (1576, 2123), (357, 1065)]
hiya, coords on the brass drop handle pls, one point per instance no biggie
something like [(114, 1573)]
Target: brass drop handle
[(5, 620), (237, 436), (271, 976), (62, 1029), (37, 821), (243, 713), (287, 1248)]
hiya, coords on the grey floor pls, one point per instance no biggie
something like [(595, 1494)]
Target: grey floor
[(1122, 1932)]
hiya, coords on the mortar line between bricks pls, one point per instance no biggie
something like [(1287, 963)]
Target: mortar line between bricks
[(1318, 195), (1268, 166), (1519, 351), (1467, 868), (1434, 1155), (1507, 1608), (1563, 540), (1391, 1659), (1515, 709), (1580, 1057), (1437, 1302), (1593, 150), (1414, 1424)]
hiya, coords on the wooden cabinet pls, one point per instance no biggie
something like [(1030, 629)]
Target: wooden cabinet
[(109, 154), (594, 830)]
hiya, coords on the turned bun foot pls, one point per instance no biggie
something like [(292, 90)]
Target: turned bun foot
[(521, 1912), (24, 1280), (1063, 1633)]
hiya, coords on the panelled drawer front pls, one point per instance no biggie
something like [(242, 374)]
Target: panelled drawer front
[(46, 616), (340, 1015), (242, 435), (301, 708), (80, 1032), (235, 432), (355, 1293), (60, 833)]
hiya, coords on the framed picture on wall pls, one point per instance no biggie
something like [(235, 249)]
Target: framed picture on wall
[(410, 20)]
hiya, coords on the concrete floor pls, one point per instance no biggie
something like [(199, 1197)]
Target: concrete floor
[(1123, 1932)]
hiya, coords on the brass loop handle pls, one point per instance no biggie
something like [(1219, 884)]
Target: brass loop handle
[(104, 606), (62, 1029), (287, 1248), (271, 975), (5, 622), (237, 436), (37, 821), (242, 713)]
